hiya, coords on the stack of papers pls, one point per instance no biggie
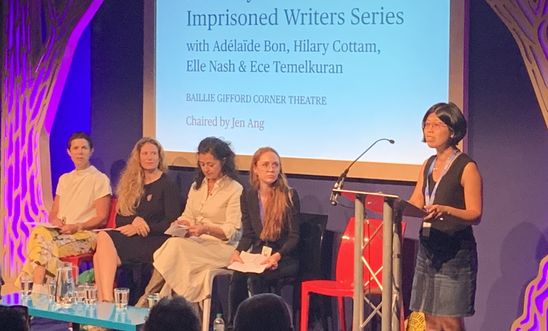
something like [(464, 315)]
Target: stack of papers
[(252, 263)]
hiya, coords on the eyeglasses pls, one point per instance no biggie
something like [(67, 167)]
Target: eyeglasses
[(434, 125), (267, 165)]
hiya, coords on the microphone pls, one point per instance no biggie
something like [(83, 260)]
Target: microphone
[(340, 181)]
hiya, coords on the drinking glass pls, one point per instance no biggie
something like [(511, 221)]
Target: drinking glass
[(91, 294), (51, 290), (80, 293), (121, 296), (153, 299), (26, 285)]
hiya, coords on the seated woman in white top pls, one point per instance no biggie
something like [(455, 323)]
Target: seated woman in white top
[(213, 217), (81, 203)]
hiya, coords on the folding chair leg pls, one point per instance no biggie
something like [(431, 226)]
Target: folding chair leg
[(342, 319), (206, 311), (304, 309)]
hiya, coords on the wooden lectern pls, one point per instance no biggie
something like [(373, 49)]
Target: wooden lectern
[(394, 208)]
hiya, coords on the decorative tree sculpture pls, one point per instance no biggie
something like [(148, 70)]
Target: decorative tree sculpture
[(535, 302), (38, 43), (527, 20)]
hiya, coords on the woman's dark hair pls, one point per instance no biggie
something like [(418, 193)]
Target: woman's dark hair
[(452, 116), (175, 314), (221, 151), (265, 312), (80, 135), (14, 318)]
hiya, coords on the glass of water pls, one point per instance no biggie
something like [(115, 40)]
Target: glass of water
[(153, 299), (91, 294), (51, 290), (80, 293), (121, 297), (26, 285)]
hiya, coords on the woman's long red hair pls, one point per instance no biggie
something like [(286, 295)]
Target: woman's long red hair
[(278, 203)]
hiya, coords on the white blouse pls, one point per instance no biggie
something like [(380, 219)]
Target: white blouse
[(221, 207)]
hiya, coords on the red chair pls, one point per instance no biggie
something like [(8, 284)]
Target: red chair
[(78, 260), (343, 285)]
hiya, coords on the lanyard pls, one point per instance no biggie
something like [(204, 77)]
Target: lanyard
[(429, 197)]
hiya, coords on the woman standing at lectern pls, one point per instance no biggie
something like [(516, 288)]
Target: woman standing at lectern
[(449, 188)]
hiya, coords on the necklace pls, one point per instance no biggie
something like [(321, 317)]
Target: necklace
[(440, 163)]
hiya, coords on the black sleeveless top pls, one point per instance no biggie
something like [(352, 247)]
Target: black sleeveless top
[(450, 193), (448, 236)]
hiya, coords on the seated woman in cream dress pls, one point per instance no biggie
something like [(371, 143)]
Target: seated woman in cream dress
[(213, 217)]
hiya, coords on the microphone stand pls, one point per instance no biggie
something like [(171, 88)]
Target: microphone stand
[(340, 181)]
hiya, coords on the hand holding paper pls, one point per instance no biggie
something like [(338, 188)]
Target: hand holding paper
[(177, 230), (251, 263)]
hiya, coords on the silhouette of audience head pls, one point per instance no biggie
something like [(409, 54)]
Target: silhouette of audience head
[(265, 312), (174, 313), (14, 318)]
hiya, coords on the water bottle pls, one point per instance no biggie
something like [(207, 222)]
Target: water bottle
[(219, 323)]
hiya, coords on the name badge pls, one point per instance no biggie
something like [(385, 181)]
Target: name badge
[(426, 228), (267, 251)]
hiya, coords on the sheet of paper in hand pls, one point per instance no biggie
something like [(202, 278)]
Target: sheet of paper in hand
[(252, 263), (177, 230)]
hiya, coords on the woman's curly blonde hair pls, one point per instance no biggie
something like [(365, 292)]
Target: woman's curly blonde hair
[(130, 188)]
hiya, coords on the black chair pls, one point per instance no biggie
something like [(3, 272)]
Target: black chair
[(315, 259)]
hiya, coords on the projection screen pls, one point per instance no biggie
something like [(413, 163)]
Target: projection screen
[(317, 80)]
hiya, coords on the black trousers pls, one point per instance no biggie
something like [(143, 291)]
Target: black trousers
[(258, 283)]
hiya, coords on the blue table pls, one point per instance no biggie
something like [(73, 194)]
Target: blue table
[(102, 314)]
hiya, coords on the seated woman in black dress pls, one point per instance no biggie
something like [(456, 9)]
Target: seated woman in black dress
[(270, 211), (147, 203)]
